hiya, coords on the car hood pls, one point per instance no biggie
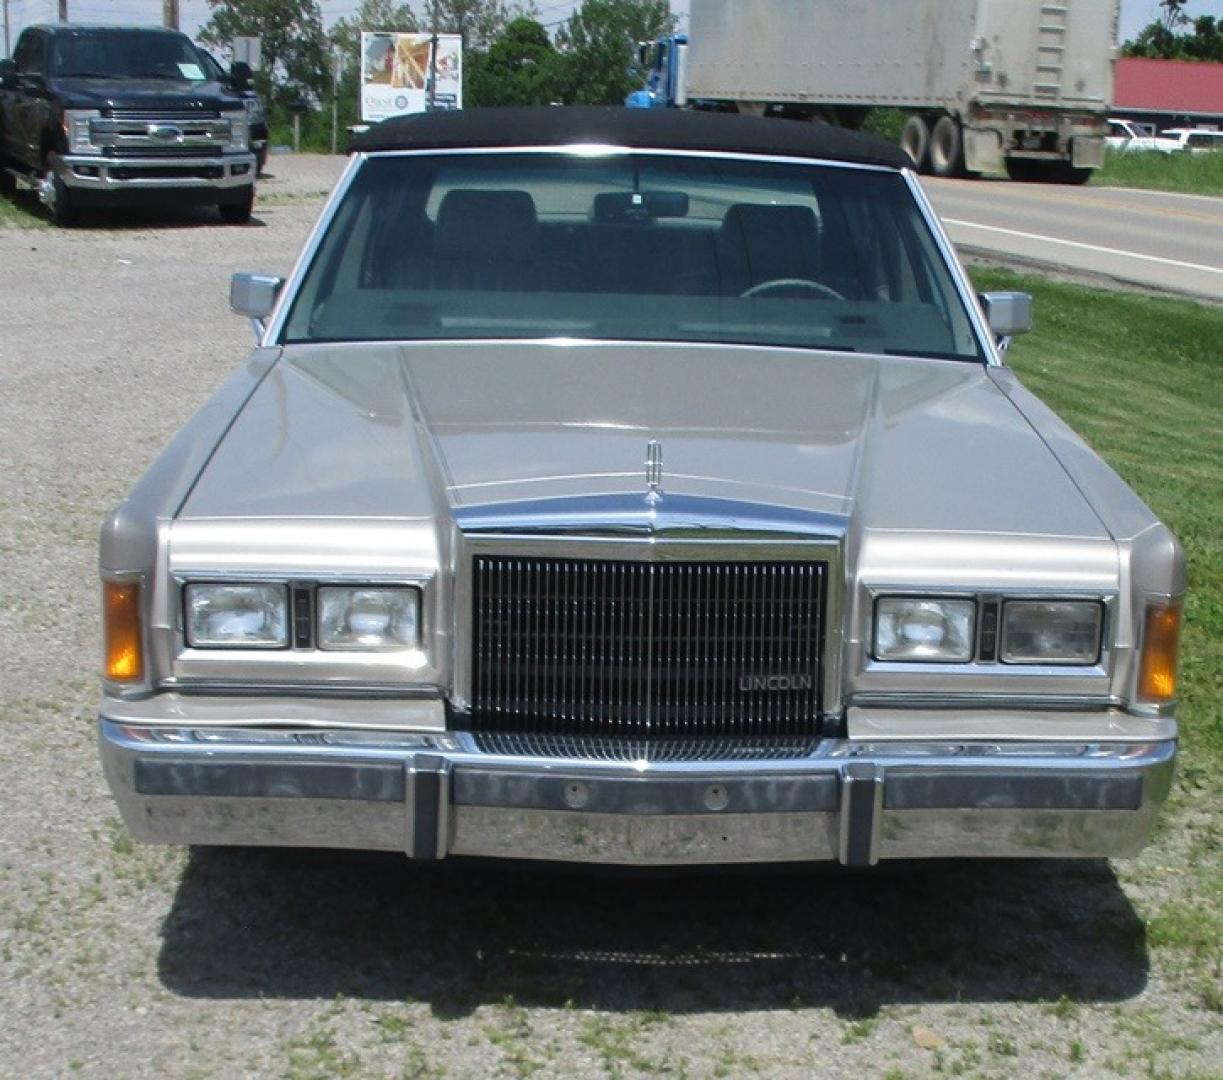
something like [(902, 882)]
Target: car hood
[(427, 430), (177, 94)]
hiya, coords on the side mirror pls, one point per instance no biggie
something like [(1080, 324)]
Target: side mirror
[(8, 74), (254, 295), (241, 75), (1008, 313)]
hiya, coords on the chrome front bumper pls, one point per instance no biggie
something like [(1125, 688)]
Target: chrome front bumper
[(433, 795), (213, 172)]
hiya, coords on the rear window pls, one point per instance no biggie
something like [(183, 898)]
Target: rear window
[(631, 247)]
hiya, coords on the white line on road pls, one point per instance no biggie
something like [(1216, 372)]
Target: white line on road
[(1084, 247)]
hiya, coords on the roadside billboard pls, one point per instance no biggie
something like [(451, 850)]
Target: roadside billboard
[(395, 72)]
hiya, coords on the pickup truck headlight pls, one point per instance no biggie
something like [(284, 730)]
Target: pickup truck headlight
[(369, 618), (921, 629), (77, 132), (1051, 631), (239, 131), (237, 616)]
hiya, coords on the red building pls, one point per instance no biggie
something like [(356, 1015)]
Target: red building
[(1169, 93)]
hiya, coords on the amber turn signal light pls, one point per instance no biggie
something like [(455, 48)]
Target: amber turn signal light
[(1160, 640), (121, 619)]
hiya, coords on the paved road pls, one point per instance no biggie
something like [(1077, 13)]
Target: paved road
[(1154, 239)]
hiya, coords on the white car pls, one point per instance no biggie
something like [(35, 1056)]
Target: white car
[(1130, 137), (1195, 140)]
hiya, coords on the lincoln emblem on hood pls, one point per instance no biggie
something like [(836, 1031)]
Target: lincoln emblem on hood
[(653, 469)]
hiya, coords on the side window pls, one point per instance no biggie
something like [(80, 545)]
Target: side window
[(30, 53)]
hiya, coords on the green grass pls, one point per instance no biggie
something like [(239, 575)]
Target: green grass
[(21, 210), (1141, 379), (1196, 174)]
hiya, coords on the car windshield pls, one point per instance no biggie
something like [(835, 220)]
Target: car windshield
[(631, 246), (125, 54)]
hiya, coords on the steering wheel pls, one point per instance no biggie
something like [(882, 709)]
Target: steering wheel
[(763, 288)]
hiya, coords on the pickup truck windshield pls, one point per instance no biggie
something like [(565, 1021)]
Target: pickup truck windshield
[(124, 54), (649, 247)]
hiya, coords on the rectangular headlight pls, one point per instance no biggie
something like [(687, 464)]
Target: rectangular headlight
[(1051, 631), (239, 131), (77, 130), (237, 616), (364, 617), (921, 629)]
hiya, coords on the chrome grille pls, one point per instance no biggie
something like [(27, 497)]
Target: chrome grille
[(157, 116), (609, 647), (605, 748), (180, 132)]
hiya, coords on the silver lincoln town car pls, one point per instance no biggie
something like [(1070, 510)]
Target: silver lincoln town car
[(635, 488)]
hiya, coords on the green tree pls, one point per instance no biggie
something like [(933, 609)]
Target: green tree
[(1161, 41), (371, 15), (294, 46), (480, 22), (522, 67), (599, 43)]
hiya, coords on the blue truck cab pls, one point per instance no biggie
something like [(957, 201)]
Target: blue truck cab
[(665, 83)]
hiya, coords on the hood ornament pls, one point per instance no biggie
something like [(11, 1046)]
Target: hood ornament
[(653, 471)]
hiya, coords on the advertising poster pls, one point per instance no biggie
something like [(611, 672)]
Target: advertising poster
[(395, 70)]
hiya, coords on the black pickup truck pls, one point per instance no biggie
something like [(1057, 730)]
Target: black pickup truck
[(101, 116)]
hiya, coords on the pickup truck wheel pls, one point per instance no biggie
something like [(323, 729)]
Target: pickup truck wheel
[(915, 141), (238, 213), (56, 198), (946, 148)]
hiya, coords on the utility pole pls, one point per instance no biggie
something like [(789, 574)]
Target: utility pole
[(7, 49), (63, 11), (170, 13), (432, 98), (337, 69)]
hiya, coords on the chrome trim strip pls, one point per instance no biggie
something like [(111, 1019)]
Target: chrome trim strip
[(618, 150), (639, 515), (460, 751), (288, 292), (985, 337), (945, 700)]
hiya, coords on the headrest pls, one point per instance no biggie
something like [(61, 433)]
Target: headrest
[(759, 223), (477, 224)]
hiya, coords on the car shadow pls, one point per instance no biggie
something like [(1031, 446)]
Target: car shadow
[(459, 934), (127, 219)]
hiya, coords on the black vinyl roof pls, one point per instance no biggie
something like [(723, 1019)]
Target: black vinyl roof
[(647, 129)]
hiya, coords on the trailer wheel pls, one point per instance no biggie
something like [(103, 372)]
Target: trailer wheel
[(915, 141), (946, 148)]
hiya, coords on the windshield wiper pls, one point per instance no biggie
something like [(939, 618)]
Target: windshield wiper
[(89, 75)]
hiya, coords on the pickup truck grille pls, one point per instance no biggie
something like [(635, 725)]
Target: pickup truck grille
[(608, 647), (162, 115), (160, 134)]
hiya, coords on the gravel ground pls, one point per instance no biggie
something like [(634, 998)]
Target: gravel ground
[(127, 961)]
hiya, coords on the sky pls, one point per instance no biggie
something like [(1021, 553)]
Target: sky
[(1135, 14)]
